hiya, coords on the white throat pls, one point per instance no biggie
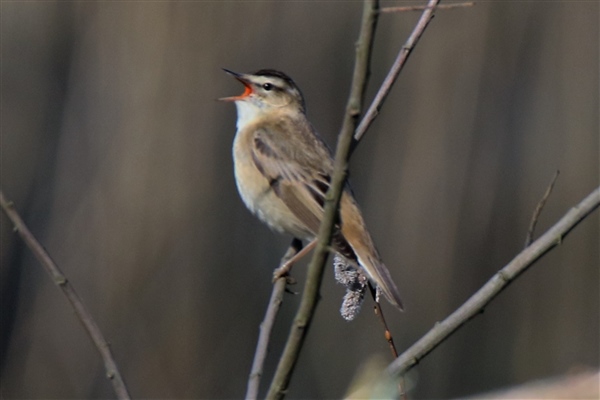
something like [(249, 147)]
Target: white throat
[(246, 112)]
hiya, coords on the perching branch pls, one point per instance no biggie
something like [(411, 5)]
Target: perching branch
[(112, 371), (316, 267), (348, 134), (267, 325), (442, 330)]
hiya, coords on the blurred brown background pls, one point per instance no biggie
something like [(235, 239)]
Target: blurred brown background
[(118, 158)]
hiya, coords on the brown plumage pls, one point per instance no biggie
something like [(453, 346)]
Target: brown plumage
[(283, 171)]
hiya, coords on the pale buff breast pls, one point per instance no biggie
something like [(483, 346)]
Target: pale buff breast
[(256, 192)]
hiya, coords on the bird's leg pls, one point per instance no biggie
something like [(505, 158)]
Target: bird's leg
[(285, 267)]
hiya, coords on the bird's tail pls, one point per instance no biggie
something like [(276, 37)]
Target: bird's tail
[(380, 275), (355, 234)]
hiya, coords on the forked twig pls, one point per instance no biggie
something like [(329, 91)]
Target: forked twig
[(442, 330), (392, 75), (538, 210), (112, 371)]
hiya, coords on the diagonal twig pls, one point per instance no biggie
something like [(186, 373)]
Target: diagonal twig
[(472, 307), (538, 210), (112, 371), (389, 80)]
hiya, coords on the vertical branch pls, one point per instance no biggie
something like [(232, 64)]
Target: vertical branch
[(310, 295), (112, 371)]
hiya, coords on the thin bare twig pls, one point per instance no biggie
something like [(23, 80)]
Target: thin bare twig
[(538, 210), (389, 80), (112, 371), (387, 10), (472, 307), (267, 325), (285, 267), (310, 295), (388, 337), (379, 312), (387, 333)]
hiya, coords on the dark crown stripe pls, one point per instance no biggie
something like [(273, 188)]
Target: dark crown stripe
[(276, 74)]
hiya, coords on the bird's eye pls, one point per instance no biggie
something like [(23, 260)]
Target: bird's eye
[(267, 86)]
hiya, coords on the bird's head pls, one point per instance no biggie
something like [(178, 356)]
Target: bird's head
[(267, 90)]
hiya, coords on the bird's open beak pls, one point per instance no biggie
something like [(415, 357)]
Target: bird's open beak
[(244, 81)]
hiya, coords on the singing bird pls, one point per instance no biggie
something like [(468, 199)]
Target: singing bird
[(283, 170)]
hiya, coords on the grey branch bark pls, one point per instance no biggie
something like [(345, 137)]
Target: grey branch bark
[(442, 330)]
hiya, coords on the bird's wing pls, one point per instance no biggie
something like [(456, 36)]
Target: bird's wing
[(299, 179)]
